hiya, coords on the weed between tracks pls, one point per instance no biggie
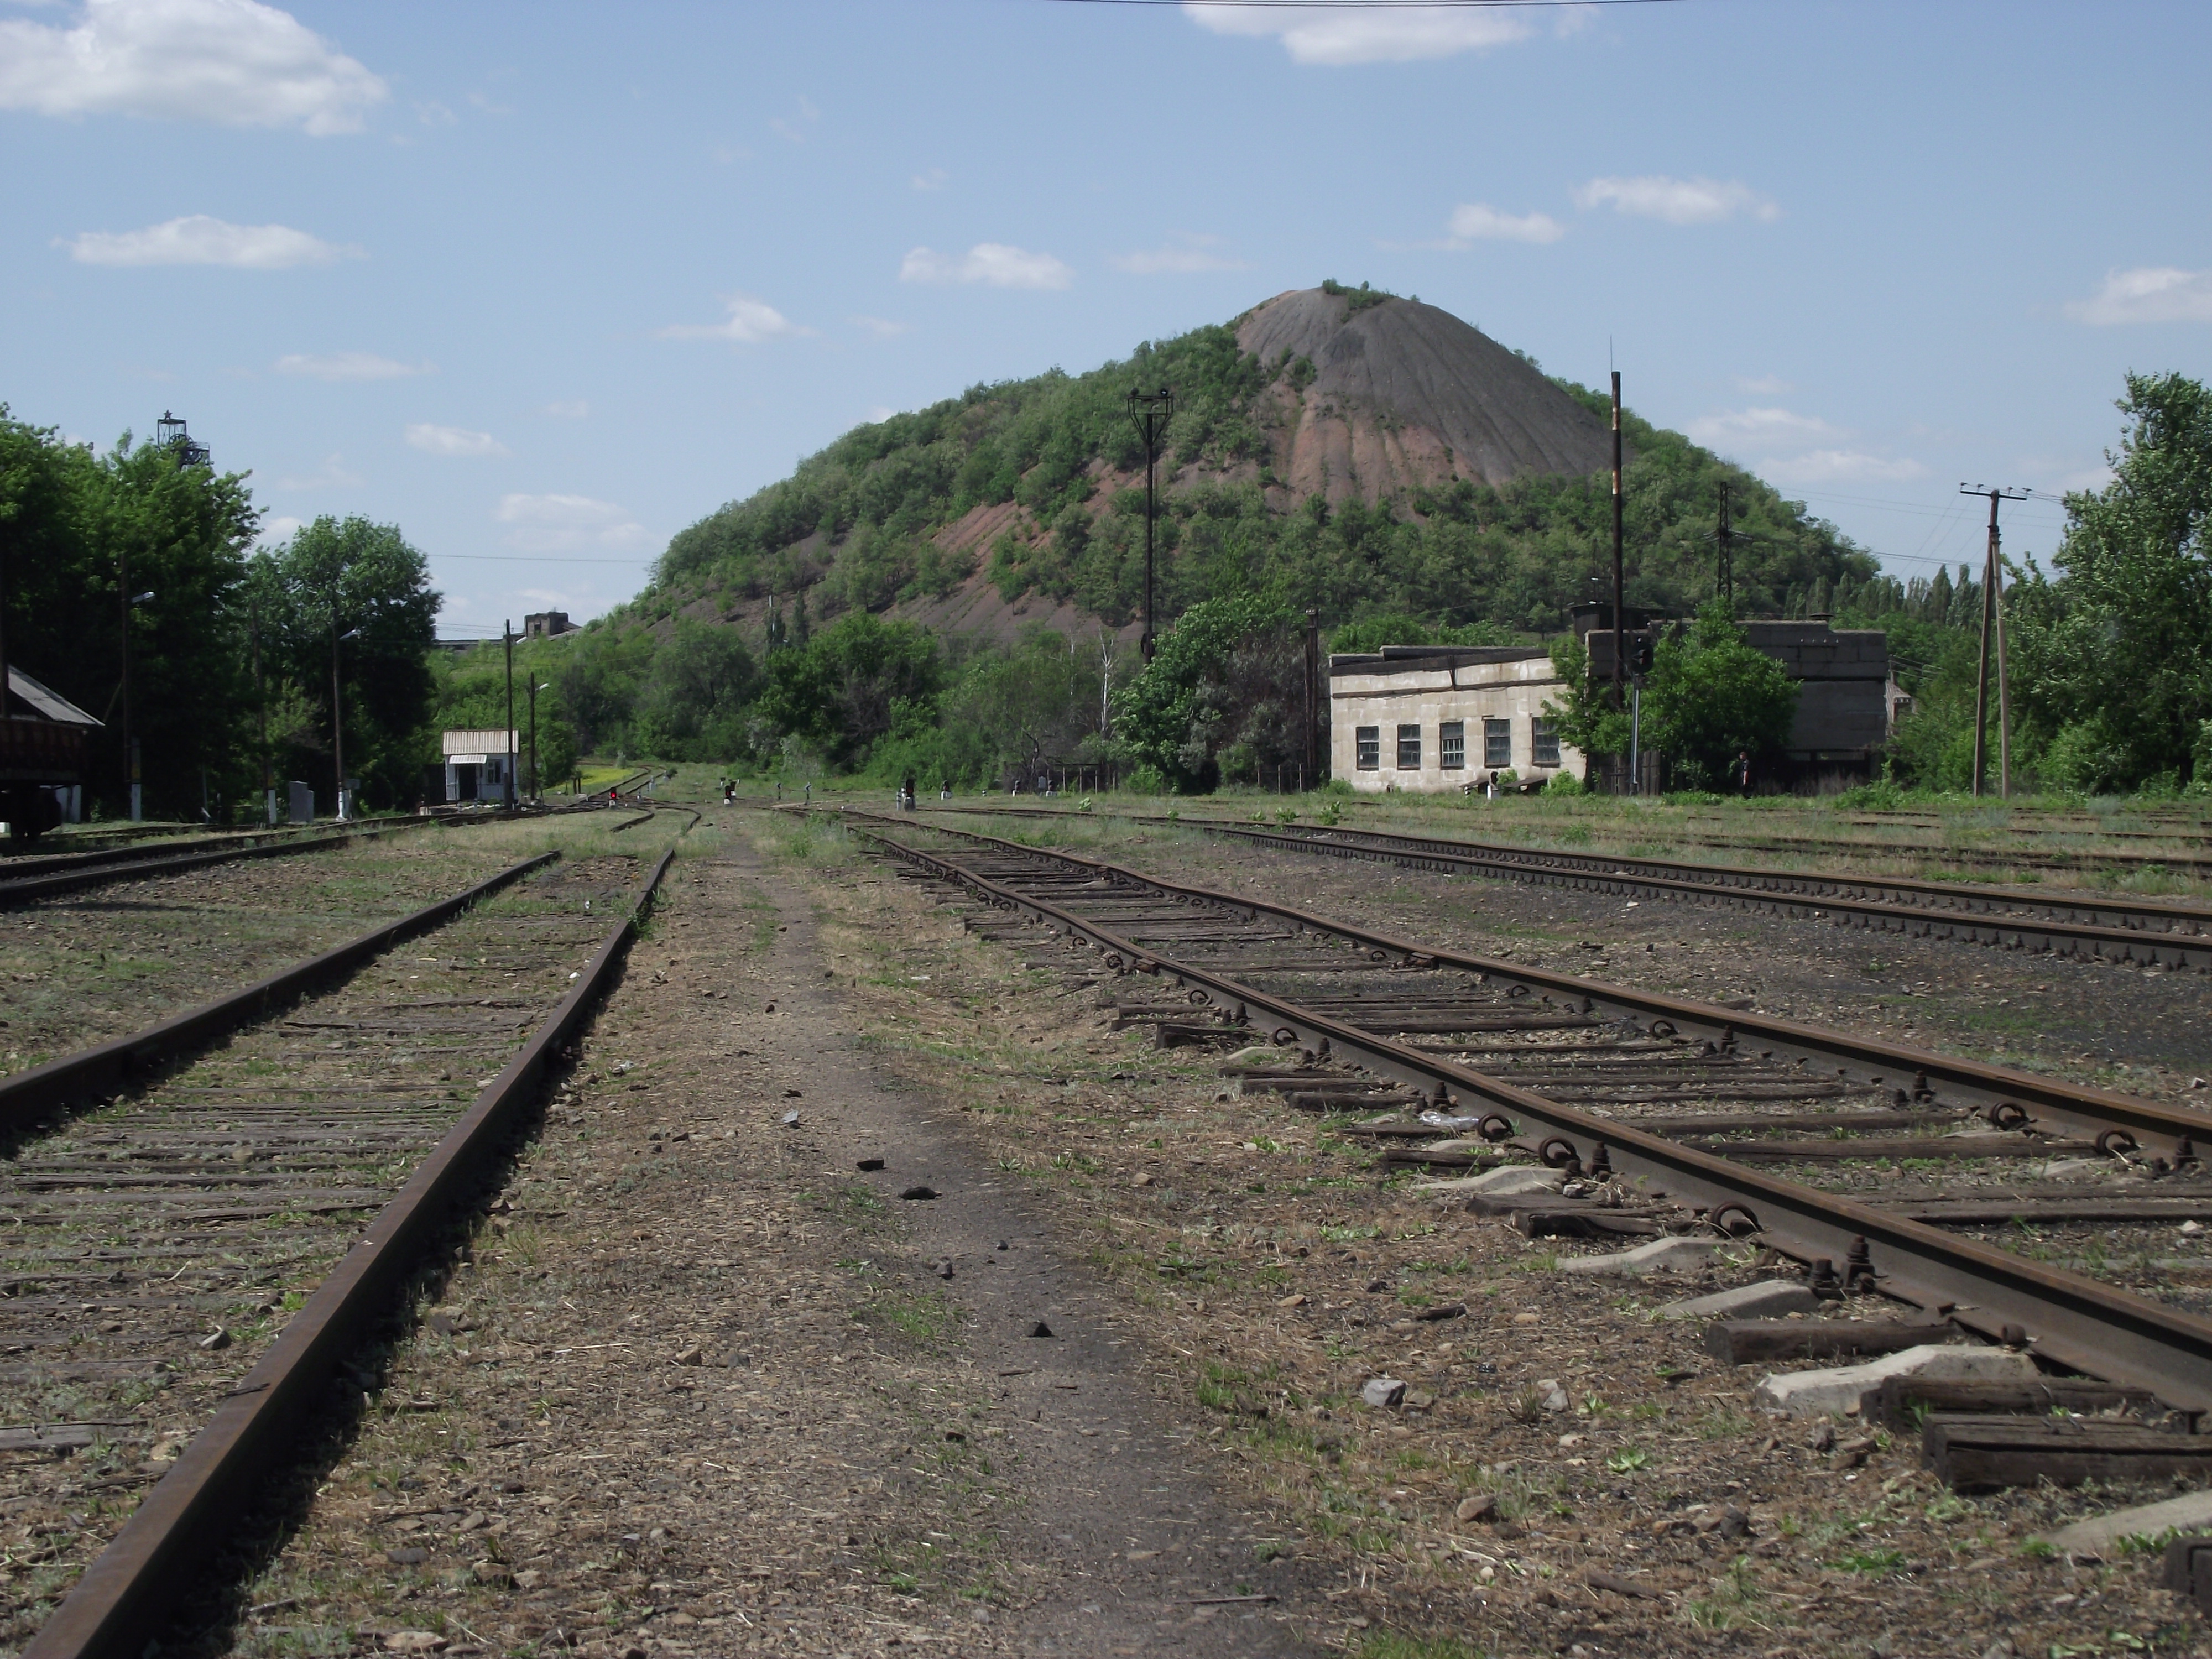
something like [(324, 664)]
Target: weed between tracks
[(1274, 1270)]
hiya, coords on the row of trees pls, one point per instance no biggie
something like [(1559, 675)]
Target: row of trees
[(230, 650)]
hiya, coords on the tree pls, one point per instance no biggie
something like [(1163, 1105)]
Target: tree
[(76, 523), (851, 683), (2113, 660), (1223, 694), (335, 576), (692, 703), (1710, 695)]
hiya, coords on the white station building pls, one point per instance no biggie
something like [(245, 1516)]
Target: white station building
[(1432, 718), (479, 765)]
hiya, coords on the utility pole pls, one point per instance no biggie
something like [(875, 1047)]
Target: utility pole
[(261, 696), (1312, 769), (337, 712), (127, 600), (507, 632), (1992, 623), (1727, 544), (534, 689), (1151, 412), (1619, 586)]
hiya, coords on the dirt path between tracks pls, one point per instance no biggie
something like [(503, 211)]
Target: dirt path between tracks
[(705, 1388), (709, 1387)]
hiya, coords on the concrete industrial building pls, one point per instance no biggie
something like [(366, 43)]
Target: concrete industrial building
[(1428, 719), (1433, 717)]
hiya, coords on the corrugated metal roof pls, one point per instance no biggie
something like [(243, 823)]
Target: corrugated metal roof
[(494, 741), (50, 704)]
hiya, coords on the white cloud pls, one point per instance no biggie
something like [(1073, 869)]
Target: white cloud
[(935, 178), (883, 328), (991, 262), (1677, 200), (278, 531), (1842, 466), (1758, 427), (1362, 34), (350, 365), (1188, 255), (2149, 294), (1763, 385), (196, 239), (1479, 222), (556, 524), (231, 62), (877, 414), (332, 474), (750, 322), (572, 409), (452, 440)]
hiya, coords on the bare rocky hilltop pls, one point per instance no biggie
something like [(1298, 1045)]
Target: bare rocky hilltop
[(1405, 394)]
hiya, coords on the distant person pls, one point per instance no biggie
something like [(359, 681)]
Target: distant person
[(729, 793), (1742, 770), (945, 792), (906, 793)]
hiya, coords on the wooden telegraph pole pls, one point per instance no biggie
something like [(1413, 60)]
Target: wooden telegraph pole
[(1992, 626)]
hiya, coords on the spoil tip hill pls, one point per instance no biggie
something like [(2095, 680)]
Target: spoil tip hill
[(1348, 448)]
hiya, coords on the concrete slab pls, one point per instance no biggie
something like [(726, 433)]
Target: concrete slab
[(2092, 1537), (1771, 1298), (1819, 1392), (1512, 1178), (1659, 1255)]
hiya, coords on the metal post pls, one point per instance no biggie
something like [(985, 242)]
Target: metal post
[(1728, 555), (2004, 702), (1636, 741), (1991, 625), (130, 750), (507, 632), (532, 684), (1311, 764), (1619, 597), (1151, 412), (337, 722)]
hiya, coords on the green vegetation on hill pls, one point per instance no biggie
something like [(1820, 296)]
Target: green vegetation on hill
[(853, 524)]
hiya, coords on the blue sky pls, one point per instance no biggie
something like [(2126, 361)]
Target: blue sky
[(543, 284)]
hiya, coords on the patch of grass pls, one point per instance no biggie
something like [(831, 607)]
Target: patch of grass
[(1880, 1562), (1395, 1645)]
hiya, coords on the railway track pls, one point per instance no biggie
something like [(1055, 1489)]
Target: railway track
[(187, 1266), (1758, 1129), (72, 871), (2111, 927)]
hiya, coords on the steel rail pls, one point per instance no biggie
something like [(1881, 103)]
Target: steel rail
[(2171, 935), (30, 1094), (2009, 1099), (1928, 909), (97, 869), (2073, 1319), (134, 1585)]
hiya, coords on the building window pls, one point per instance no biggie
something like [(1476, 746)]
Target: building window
[(1451, 741), (1545, 737), (1369, 740), (1409, 749), (1498, 744)]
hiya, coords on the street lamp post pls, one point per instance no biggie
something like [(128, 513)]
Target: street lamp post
[(130, 744), (507, 632), (1151, 412), (337, 713), (534, 689)]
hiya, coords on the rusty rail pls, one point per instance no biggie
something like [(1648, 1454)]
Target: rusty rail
[(131, 1588), (2073, 1319), (30, 1094)]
